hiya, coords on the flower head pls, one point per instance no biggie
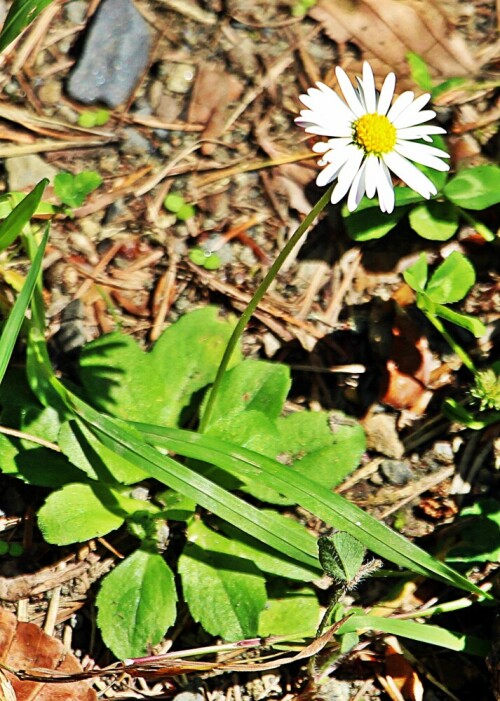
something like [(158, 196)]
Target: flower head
[(370, 137)]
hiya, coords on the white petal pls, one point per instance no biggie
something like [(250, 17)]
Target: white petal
[(422, 154), (328, 174), (409, 174), (400, 105), (411, 118), (369, 93), (323, 123), (385, 189), (419, 132), (357, 189), (421, 148), (386, 94), (349, 93), (346, 175), (371, 176), (321, 147)]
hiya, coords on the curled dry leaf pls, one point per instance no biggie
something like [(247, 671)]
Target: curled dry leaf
[(26, 646), (213, 92), (386, 30)]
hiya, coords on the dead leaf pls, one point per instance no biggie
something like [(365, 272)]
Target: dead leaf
[(7, 692), (386, 30), (401, 672), (25, 645), (213, 91)]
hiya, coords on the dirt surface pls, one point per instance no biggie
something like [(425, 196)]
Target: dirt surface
[(212, 118)]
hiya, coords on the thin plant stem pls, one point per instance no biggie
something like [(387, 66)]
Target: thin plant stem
[(252, 305), (438, 324)]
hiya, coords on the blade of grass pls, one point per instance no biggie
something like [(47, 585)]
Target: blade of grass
[(12, 226), (328, 506), (126, 441), (21, 13), (434, 635), (16, 317)]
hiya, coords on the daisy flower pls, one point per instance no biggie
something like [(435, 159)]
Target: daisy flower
[(369, 138)]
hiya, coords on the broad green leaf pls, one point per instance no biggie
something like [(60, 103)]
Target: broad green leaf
[(79, 512), (422, 632), (330, 507), (326, 447), (175, 506), (98, 462), (341, 556), (252, 385), (436, 221), (451, 281), (137, 604), (225, 593), (478, 528), (15, 222), (367, 223), (164, 384), (475, 188), (20, 15), (72, 190), (419, 71), (289, 612), (416, 275)]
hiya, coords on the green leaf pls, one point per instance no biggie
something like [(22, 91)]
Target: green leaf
[(72, 190), (15, 222), (456, 412), (13, 325), (325, 447), (264, 557), (252, 385), (436, 221), (225, 593), (289, 612), (330, 507), (187, 211), (419, 71), (341, 556), (475, 188), (79, 512), (367, 223), (422, 632), (451, 281), (174, 201), (478, 526), (471, 323), (164, 384), (98, 462), (137, 604), (20, 15), (416, 275), (446, 86)]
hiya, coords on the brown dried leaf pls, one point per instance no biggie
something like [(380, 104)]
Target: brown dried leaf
[(25, 645), (401, 671), (213, 92), (386, 30)]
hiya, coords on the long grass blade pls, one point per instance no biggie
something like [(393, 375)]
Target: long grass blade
[(16, 317), (331, 508), (13, 225)]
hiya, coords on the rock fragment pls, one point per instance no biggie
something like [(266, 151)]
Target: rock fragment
[(115, 54)]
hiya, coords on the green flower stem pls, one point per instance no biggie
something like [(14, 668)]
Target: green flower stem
[(252, 305), (438, 324)]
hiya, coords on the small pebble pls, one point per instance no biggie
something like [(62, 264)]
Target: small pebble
[(180, 78), (396, 472), (27, 171), (76, 11), (443, 452)]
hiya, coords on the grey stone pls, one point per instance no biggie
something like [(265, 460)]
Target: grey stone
[(188, 696), (396, 472), (27, 171), (114, 56)]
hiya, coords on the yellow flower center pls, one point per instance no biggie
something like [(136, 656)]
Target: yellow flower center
[(374, 133)]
